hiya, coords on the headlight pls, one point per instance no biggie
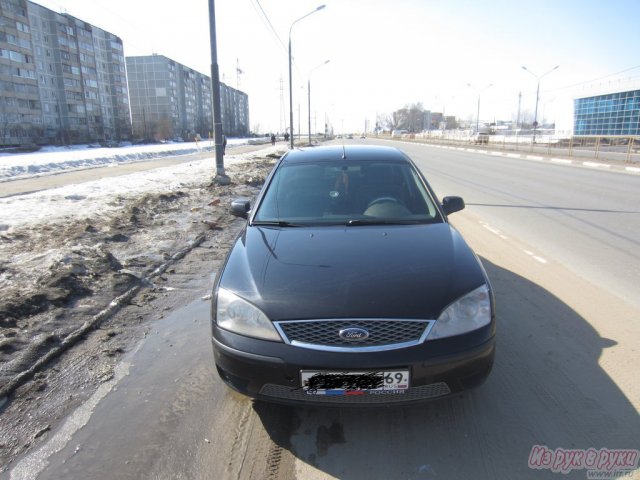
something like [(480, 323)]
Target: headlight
[(464, 315), (239, 316)]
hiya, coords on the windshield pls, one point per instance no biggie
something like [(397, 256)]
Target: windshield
[(350, 194)]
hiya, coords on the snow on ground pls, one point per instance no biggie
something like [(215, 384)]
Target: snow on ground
[(66, 253), (86, 199), (56, 159)]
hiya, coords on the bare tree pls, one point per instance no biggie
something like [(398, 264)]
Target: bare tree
[(410, 118), (385, 122)]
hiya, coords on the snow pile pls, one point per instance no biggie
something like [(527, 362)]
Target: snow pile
[(105, 195), (57, 159)]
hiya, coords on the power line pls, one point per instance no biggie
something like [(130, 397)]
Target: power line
[(265, 17), (593, 80)]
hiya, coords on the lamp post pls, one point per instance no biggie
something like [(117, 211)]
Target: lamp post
[(535, 115), (478, 112), (309, 93), (290, 75), (221, 176)]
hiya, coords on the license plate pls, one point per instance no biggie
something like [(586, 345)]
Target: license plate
[(354, 383)]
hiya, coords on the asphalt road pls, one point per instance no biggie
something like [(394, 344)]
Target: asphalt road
[(558, 244), (587, 220)]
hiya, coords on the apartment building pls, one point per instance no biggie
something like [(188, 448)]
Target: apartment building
[(62, 80), (170, 100)]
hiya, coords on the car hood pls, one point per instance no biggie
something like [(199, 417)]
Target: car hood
[(408, 271)]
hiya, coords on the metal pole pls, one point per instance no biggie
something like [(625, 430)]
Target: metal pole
[(291, 76), (309, 95), (290, 94), (221, 177), (478, 112), (535, 115)]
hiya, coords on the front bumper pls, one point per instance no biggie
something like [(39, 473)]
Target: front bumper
[(270, 371)]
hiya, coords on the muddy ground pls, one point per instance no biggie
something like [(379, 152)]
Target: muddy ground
[(75, 297)]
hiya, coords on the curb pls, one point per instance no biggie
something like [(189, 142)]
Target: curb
[(538, 158)]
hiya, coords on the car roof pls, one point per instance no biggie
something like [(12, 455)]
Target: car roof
[(338, 154)]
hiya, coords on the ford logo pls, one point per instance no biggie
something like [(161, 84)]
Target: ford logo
[(353, 333)]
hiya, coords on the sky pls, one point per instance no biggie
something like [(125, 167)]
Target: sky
[(386, 54)]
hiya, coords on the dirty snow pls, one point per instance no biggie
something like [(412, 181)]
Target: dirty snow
[(66, 253), (88, 198)]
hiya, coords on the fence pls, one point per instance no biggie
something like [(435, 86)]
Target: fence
[(615, 149)]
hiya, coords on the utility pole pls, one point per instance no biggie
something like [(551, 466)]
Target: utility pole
[(535, 115), (282, 111), (519, 103), (221, 178), (291, 79)]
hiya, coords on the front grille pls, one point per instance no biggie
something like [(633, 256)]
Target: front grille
[(424, 392), (384, 334)]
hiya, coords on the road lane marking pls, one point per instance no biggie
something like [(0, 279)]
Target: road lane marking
[(535, 257), (494, 230), (497, 232)]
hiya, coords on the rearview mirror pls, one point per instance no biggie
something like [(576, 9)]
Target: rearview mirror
[(240, 207), (452, 204)]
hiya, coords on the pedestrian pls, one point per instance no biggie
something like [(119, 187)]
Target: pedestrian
[(273, 139)]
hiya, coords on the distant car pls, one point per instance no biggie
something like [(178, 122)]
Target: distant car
[(481, 138), (350, 137), (363, 136), (348, 285)]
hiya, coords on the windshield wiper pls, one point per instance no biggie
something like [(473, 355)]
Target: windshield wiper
[(278, 223)]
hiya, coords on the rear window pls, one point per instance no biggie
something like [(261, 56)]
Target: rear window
[(336, 194)]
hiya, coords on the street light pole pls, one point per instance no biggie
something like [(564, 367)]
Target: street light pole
[(309, 93), (478, 112), (535, 115), (291, 76), (221, 177)]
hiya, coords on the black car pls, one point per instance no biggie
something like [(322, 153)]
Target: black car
[(349, 286)]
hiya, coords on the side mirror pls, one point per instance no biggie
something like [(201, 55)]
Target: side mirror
[(452, 204), (240, 207)]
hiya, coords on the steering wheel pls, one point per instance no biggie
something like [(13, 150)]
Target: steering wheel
[(383, 200)]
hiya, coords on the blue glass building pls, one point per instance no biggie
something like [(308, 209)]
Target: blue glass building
[(610, 114)]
